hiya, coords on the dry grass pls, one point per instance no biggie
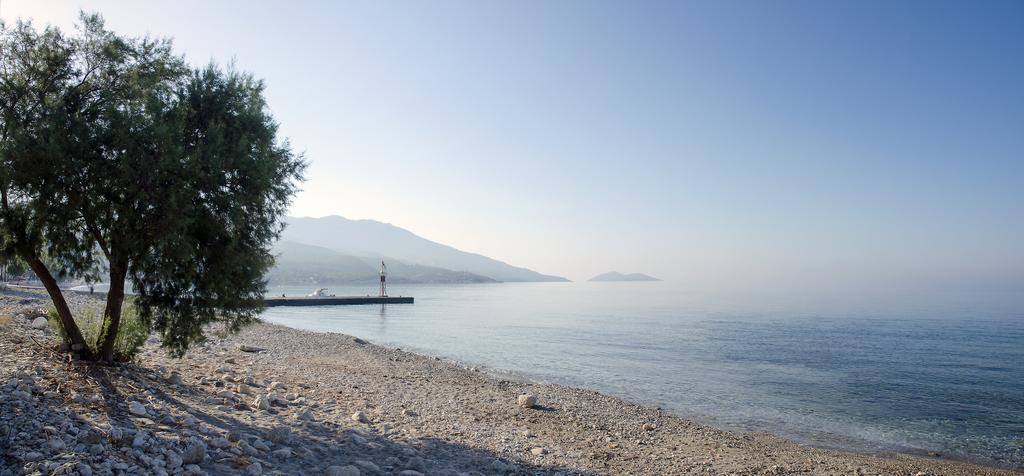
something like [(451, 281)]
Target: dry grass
[(5, 320)]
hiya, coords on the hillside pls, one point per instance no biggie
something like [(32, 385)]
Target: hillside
[(617, 276), (373, 238), (299, 263)]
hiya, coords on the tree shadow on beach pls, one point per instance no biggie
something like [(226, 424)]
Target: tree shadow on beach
[(306, 447)]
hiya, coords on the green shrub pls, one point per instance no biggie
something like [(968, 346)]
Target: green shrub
[(131, 334)]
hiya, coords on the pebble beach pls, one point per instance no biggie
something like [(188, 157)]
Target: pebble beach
[(275, 400)]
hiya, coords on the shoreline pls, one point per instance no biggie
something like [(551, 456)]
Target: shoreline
[(524, 378), (321, 403)]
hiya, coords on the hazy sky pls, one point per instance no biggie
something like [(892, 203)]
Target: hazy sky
[(713, 143)]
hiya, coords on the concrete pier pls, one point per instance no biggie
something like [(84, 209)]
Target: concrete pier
[(336, 300)]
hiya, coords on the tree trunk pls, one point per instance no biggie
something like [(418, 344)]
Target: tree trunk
[(67, 321), (112, 314)]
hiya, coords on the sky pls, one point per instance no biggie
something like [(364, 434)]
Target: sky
[(798, 144)]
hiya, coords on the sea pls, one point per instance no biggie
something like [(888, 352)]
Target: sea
[(930, 374)]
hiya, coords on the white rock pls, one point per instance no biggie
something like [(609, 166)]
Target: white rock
[(261, 403), (416, 463), (279, 434), (500, 467), (83, 469), (368, 466), (90, 437), (277, 386), (194, 454), (283, 453), (255, 469), (248, 449), (342, 471), (527, 400), (136, 408), (538, 451), (360, 417), (40, 323), (174, 460), (32, 456), (358, 439)]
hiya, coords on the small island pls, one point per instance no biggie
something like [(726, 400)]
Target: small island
[(617, 276)]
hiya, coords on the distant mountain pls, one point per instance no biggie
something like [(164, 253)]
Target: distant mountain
[(298, 263), (373, 238), (617, 276)]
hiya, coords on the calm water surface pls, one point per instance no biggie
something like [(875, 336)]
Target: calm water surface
[(940, 375)]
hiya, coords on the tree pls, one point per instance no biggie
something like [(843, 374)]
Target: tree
[(120, 158)]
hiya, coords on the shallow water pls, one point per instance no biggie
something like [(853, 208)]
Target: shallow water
[(925, 374)]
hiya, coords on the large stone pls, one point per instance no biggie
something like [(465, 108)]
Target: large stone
[(416, 463), (136, 408), (40, 323), (116, 434), (249, 348), (83, 469), (174, 460), (368, 466), (261, 402), (342, 471), (539, 451), (90, 437), (32, 456), (194, 454), (255, 469), (360, 417), (283, 453), (248, 449), (527, 400), (279, 434)]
